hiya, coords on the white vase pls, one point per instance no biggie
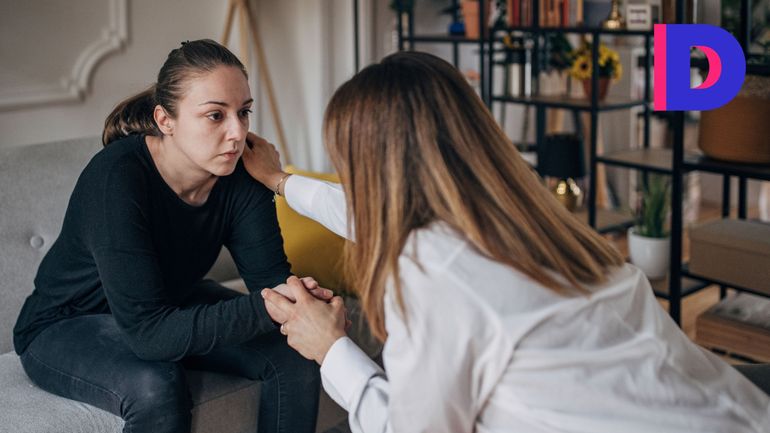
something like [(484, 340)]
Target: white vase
[(651, 255)]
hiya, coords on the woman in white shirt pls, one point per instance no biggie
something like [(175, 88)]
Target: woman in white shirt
[(499, 310)]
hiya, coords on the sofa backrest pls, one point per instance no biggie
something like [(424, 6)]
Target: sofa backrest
[(35, 185)]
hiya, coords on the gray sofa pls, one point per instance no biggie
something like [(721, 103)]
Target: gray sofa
[(36, 184)]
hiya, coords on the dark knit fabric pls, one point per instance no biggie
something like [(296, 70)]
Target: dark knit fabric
[(129, 246)]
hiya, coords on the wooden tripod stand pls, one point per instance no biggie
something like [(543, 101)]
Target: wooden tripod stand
[(248, 24)]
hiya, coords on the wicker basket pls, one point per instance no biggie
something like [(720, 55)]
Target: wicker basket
[(739, 131)]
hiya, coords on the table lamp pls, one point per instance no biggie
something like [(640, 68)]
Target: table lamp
[(562, 158)]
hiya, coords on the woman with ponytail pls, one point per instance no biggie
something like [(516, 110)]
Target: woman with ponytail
[(120, 306), (500, 311)]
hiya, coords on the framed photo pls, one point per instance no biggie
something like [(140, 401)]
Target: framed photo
[(639, 16)]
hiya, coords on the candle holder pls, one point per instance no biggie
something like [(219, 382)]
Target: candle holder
[(615, 20)]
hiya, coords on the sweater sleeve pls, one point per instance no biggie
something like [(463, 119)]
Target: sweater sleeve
[(130, 273), (255, 241)]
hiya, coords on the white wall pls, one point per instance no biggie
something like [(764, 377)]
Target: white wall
[(309, 53), (154, 28), (308, 45)]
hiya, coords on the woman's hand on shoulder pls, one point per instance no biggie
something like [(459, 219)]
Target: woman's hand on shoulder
[(262, 161)]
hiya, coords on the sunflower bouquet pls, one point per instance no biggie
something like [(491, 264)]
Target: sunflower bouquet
[(609, 63)]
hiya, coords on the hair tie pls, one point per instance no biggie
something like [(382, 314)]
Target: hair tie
[(185, 42)]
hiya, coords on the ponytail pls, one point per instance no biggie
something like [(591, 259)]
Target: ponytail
[(132, 116)]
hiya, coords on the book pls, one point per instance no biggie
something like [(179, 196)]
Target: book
[(578, 13), (514, 13), (565, 21)]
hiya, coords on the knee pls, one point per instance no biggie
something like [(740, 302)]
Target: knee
[(291, 369), (159, 395), (302, 371)]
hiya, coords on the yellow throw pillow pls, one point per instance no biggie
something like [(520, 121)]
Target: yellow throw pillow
[(312, 249)]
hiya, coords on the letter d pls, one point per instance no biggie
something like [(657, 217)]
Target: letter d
[(727, 67)]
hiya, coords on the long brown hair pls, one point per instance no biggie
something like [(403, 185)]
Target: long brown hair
[(135, 114), (414, 144)]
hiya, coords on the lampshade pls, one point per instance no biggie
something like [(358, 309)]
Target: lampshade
[(562, 156)]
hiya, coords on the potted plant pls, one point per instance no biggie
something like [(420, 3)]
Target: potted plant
[(582, 68), (649, 240)]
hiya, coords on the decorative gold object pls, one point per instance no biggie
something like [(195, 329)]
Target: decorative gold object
[(568, 193), (615, 21)]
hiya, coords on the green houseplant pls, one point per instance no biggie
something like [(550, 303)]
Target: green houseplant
[(653, 211), (649, 242)]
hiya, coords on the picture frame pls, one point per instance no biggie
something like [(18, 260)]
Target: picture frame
[(639, 16)]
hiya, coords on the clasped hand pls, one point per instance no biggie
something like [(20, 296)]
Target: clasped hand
[(311, 321)]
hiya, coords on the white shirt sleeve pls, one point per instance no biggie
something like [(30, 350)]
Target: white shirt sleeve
[(358, 385), (319, 200), (439, 368)]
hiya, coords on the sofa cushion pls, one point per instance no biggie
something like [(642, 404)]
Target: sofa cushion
[(37, 181), (24, 405), (28, 409)]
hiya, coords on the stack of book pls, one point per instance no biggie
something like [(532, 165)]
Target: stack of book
[(737, 325)]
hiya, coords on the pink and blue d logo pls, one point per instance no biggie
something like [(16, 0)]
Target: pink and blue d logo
[(727, 67)]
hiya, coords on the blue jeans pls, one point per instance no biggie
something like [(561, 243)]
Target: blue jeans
[(87, 359)]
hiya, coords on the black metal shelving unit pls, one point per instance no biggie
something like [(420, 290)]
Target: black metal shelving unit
[(676, 162), (673, 162), (407, 40)]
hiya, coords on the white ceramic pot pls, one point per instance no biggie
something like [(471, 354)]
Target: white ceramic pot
[(651, 255)]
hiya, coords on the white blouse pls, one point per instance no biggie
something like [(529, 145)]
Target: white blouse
[(483, 348)]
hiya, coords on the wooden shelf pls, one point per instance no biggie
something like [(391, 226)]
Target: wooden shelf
[(656, 160), (582, 30), (703, 163), (459, 39), (661, 160), (686, 272), (689, 286), (560, 101)]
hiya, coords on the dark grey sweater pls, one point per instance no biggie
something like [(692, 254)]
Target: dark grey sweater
[(129, 246)]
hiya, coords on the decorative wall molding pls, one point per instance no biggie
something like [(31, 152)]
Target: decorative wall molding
[(74, 87)]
